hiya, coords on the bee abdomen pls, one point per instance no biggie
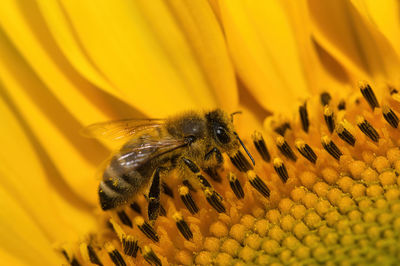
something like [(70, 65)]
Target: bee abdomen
[(117, 186)]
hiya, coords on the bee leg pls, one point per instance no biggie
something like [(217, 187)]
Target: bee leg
[(154, 195), (218, 155), (213, 197), (212, 171)]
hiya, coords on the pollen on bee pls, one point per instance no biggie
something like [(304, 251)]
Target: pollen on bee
[(285, 149), (367, 129), (331, 147), (305, 150), (280, 169)]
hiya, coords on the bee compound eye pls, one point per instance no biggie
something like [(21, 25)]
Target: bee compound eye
[(222, 135)]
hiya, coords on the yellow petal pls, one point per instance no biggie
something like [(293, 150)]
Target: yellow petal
[(205, 36), (65, 37), (385, 16), (322, 71), (21, 239), (355, 42), (53, 126), (27, 31), (37, 207), (141, 50), (28, 173), (264, 51)]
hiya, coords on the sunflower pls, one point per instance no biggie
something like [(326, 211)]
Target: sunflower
[(325, 188)]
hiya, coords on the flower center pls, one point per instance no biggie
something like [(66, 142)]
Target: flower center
[(325, 189)]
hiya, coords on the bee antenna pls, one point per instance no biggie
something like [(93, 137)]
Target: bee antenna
[(235, 113), (245, 149)]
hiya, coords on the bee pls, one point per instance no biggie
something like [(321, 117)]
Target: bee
[(190, 142)]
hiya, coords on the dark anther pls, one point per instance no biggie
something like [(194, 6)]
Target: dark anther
[(213, 173), (130, 246), (146, 229), (369, 95), (285, 149), (135, 206), (192, 166), (305, 123), (151, 257), (261, 147), (65, 254), (282, 129), (258, 184), (74, 262), (244, 148), (367, 129), (345, 135), (306, 151), (390, 116), (341, 105), (116, 257), (280, 169), (331, 147), (187, 183), (162, 211), (187, 199), (183, 226), (215, 200), (124, 218), (93, 256), (393, 91), (167, 190), (329, 118), (235, 186), (240, 162), (325, 98)]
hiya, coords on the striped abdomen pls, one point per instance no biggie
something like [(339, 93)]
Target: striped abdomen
[(121, 181)]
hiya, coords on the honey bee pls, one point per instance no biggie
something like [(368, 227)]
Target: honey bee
[(190, 142)]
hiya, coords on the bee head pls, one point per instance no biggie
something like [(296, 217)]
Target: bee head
[(220, 126)]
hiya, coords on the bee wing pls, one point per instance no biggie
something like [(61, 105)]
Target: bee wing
[(120, 129), (139, 151)]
